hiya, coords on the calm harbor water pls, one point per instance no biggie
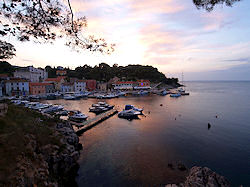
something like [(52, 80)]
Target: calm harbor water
[(119, 152)]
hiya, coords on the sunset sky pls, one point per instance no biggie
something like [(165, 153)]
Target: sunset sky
[(172, 35)]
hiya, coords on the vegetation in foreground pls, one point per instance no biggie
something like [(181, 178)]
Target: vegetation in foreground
[(32, 152)]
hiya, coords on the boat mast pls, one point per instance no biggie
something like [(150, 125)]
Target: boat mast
[(182, 78)]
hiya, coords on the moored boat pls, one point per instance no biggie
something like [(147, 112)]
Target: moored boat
[(77, 116), (129, 114), (175, 95)]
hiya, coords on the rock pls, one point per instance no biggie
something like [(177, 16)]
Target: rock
[(208, 125), (181, 167), (199, 176), (202, 177)]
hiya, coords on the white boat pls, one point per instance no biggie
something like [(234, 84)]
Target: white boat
[(140, 93), (121, 94), (69, 97), (100, 107), (129, 114), (129, 107), (52, 109), (77, 116)]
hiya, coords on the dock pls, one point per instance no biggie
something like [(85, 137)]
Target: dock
[(82, 127)]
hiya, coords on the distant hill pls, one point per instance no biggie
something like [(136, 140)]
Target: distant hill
[(104, 72), (6, 68)]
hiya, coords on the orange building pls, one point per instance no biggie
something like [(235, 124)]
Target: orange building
[(58, 81), (142, 84), (38, 88)]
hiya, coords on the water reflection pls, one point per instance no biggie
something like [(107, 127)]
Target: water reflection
[(119, 152)]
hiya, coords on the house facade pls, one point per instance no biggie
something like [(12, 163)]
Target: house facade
[(17, 87), (32, 74), (58, 81), (123, 85), (40, 88), (79, 86), (67, 87), (91, 85), (102, 86)]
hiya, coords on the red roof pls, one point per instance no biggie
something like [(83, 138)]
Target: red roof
[(125, 82), (40, 84), (3, 75), (57, 79)]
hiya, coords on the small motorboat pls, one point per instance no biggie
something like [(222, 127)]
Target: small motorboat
[(140, 93), (175, 95), (53, 109), (129, 114), (69, 97), (121, 94), (77, 116), (129, 107), (164, 92), (100, 107), (98, 110)]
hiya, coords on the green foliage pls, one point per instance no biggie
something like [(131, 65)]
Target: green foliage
[(6, 68), (104, 72), (19, 123)]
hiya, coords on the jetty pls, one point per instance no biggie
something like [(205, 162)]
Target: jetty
[(82, 127)]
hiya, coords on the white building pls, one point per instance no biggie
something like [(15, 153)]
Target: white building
[(79, 86), (67, 87), (123, 85), (31, 73), (17, 87)]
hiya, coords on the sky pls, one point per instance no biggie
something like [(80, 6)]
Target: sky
[(172, 35)]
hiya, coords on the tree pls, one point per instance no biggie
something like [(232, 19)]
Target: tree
[(44, 21), (210, 4), (7, 50)]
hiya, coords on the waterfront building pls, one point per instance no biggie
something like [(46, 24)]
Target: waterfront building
[(40, 88), (50, 88), (4, 77), (142, 84), (79, 85), (67, 87), (58, 81), (102, 86), (112, 81), (91, 85), (17, 87), (123, 85), (32, 74)]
